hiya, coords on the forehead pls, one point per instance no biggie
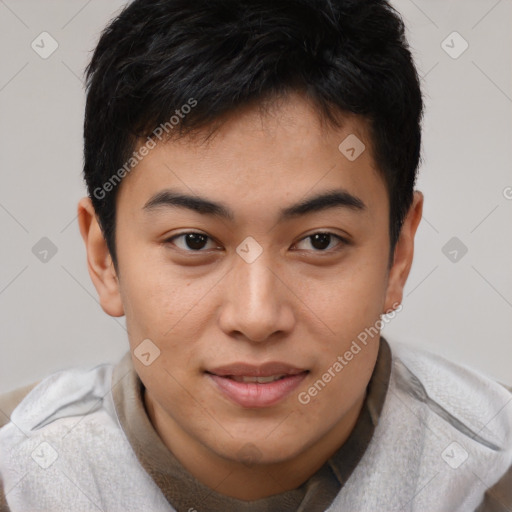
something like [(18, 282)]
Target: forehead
[(267, 157)]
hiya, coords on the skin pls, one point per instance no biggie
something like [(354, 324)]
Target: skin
[(296, 303)]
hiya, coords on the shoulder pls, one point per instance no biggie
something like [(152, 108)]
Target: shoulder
[(10, 400), (29, 414), (64, 431), (462, 396), (39, 403), (464, 392), (469, 405), (55, 402), (70, 392)]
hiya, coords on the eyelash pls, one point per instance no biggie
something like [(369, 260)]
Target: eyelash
[(341, 241)]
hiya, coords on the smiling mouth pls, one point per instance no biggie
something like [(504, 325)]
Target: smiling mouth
[(258, 380), (257, 391)]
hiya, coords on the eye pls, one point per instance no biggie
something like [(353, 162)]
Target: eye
[(198, 242), (191, 242), (322, 242)]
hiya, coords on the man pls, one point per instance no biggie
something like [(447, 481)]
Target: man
[(251, 210)]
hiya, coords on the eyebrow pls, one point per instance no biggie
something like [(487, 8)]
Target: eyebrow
[(337, 198)]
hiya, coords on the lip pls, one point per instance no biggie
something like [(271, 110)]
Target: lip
[(262, 370), (254, 394)]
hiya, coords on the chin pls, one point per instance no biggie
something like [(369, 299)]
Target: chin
[(253, 452)]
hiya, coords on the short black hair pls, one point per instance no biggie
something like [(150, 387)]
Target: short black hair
[(158, 56)]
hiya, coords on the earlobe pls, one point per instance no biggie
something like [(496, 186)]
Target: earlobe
[(99, 261), (403, 255)]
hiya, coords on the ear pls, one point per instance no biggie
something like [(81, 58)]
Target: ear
[(99, 261), (403, 254)]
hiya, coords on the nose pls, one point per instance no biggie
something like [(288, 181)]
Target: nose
[(257, 303)]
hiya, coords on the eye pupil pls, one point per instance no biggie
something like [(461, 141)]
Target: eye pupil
[(320, 240), (195, 240)]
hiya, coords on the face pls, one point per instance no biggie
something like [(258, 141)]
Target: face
[(253, 288)]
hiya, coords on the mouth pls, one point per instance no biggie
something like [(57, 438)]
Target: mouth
[(256, 386), (258, 380)]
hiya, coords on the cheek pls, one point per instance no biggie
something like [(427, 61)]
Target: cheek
[(169, 311), (331, 394), (350, 300), (154, 295)]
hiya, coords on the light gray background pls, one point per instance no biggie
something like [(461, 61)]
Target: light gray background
[(49, 315)]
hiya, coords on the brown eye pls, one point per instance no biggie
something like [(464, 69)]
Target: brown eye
[(323, 242), (191, 242), (320, 240)]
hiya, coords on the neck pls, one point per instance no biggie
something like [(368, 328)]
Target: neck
[(248, 481)]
